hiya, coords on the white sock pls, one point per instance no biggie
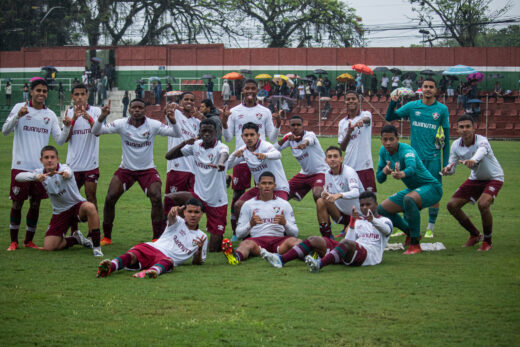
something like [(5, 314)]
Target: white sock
[(431, 226)]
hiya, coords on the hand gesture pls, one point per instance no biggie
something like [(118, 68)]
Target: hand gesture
[(105, 111), (169, 110), (333, 197), (173, 213), (239, 153), (23, 111), (79, 110), (190, 141), (370, 216), (355, 214), (395, 97), (468, 163), (64, 174), (260, 156), (280, 219), (387, 170), (67, 121), (292, 137), (199, 241), (277, 118), (447, 170), (41, 177), (225, 114), (302, 145), (325, 194), (359, 124), (255, 220), (398, 174)]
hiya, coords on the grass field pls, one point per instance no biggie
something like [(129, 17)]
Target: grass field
[(455, 297)]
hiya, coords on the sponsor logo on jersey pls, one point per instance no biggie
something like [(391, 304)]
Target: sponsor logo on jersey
[(319, 181), (240, 116), (435, 115), (28, 117)]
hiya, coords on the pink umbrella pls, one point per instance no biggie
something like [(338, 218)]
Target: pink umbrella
[(476, 76)]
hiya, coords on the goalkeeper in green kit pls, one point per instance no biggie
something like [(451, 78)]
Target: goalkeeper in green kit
[(429, 122)]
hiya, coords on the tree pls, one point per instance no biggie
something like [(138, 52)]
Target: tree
[(304, 22), (506, 37), (462, 20)]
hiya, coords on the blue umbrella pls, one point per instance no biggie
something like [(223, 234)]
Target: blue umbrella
[(474, 101), (154, 78), (459, 70), (96, 59)]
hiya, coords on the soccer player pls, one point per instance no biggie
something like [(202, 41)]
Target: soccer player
[(429, 124), (32, 123), (265, 221), (249, 111), (306, 148), (137, 137), (341, 193), (67, 204), (483, 184), (260, 156), (422, 189), (355, 138), (181, 241), (364, 245), (209, 157)]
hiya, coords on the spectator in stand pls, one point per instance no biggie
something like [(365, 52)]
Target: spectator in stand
[(8, 92), (158, 93), (99, 86), (319, 86), (420, 81), (473, 92), (450, 91), (373, 85), (138, 91), (326, 86), (359, 84), (262, 93), (308, 93), (498, 92), (209, 90), (25, 92), (75, 82), (340, 87), (169, 87), (226, 92), (125, 101), (443, 84), (152, 92), (104, 79), (284, 89), (60, 94), (408, 83), (301, 92), (395, 81), (384, 84), (210, 112), (84, 77), (267, 87)]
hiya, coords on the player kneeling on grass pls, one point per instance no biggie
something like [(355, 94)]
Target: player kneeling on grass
[(268, 219), (181, 240), (67, 204), (364, 244), (483, 185)]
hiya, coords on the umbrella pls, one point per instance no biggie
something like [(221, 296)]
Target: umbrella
[(96, 59), (279, 77), (395, 70), (474, 101), (418, 91), (320, 72), (233, 76), (174, 93), (155, 78), (205, 76), (263, 76), (245, 71), (428, 72), (311, 76), (402, 92), (459, 70), (410, 74), (49, 68), (344, 77), (362, 68), (476, 76), (291, 75), (324, 98), (381, 69), (496, 76)]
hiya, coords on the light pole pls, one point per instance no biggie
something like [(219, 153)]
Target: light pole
[(425, 34)]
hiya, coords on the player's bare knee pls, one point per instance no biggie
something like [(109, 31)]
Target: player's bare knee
[(351, 245), (483, 205), (314, 240)]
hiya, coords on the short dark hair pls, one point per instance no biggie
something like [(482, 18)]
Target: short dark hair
[(466, 117), (207, 121), (250, 125), (351, 92), (48, 148), (296, 117), (137, 100), (429, 79), (250, 80), (266, 174), (38, 82), (208, 103), (186, 93), (194, 202), (368, 195), (334, 148), (389, 128), (79, 86)]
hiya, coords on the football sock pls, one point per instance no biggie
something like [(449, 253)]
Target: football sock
[(95, 234), (413, 217), (298, 251), (31, 220), (29, 234), (158, 228), (162, 266), (74, 226), (16, 218), (71, 241), (239, 256), (488, 229), (468, 225), (120, 262), (325, 230), (335, 256), (107, 230), (487, 238), (396, 219), (432, 217)]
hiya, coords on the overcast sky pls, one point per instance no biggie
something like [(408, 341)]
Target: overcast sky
[(396, 12)]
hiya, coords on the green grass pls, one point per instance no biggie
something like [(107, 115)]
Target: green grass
[(454, 297)]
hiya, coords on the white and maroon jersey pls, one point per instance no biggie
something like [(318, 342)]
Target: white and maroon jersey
[(178, 242), (241, 115), (312, 158), (210, 184), (480, 151), (31, 134), (189, 128), (83, 151), (373, 236), (137, 143), (267, 211), (358, 154), (63, 192), (272, 163), (348, 184)]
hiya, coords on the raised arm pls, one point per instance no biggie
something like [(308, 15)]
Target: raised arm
[(392, 113), (12, 119), (176, 152), (272, 131)]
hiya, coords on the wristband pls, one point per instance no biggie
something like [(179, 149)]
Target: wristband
[(352, 222)]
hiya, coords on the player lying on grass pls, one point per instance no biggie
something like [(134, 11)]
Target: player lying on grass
[(267, 221), (67, 204), (181, 241), (364, 244), (341, 193), (483, 184), (400, 161)]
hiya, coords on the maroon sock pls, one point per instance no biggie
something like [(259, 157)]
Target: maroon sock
[(122, 262), (325, 230), (239, 256), (466, 224), (107, 230), (74, 226), (488, 229), (14, 234), (158, 228), (16, 218), (335, 256), (95, 234), (298, 251), (162, 266), (71, 241), (32, 217)]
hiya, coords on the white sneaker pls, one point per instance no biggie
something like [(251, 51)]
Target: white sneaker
[(272, 258), (82, 240), (97, 251), (314, 264)]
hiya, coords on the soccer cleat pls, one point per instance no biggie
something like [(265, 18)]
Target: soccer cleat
[(13, 246), (227, 249), (341, 235), (397, 233), (428, 234), (82, 240), (105, 241), (104, 268), (314, 264), (413, 249), (272, 258), (140, 274), (484, 247), (31, 244), (153, 240), (97, 252), (151, 273), (473, 240), (407, 241)]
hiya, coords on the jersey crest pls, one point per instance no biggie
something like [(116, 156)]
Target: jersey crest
[(435, 115), (46, 120), (276, 209), (259, 116)]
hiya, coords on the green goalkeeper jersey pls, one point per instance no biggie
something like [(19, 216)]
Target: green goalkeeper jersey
[(424, 122)]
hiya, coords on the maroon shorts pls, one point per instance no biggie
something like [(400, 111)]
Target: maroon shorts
[(144, 177), (301, 184), (179, 181), (331, 244), (270, 243), (343, 219), (215, 217), (368, 179), (473, 189), (148, 256), (359, 256), (241, 177), (251, 193), (61, 222), (24, 190), (86, 176)]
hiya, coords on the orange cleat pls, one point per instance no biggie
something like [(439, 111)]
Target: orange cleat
[(413, 249), (13, 246), (31, 244), (105, 241), (153, 240), (473, 240), (484, 247)]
